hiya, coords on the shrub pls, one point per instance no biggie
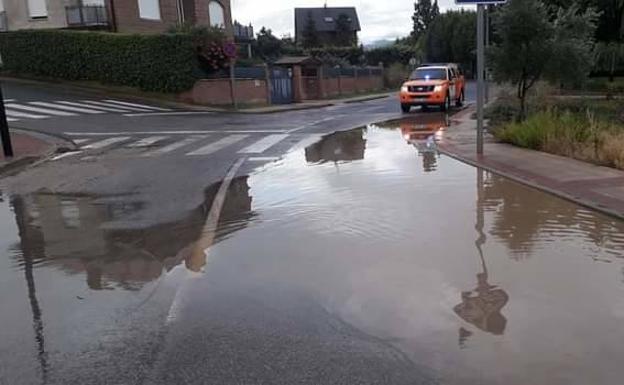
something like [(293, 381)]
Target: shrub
[(163, 63), (395, 75)]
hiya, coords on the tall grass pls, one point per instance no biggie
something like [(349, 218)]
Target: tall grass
[(577, 135)]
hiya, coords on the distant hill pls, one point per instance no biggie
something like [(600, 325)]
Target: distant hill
[(378, 44)]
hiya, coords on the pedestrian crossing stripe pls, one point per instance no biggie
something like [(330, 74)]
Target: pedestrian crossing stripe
[(16, 110), (149, 145)]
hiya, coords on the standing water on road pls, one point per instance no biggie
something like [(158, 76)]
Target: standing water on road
[(368, 258)]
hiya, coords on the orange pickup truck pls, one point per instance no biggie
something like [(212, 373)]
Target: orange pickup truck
[(434, 85)]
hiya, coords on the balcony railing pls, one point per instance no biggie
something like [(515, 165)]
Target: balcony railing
[(86, 16), (3, 22)]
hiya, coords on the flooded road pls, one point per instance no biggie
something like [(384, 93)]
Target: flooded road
[(366, 258)]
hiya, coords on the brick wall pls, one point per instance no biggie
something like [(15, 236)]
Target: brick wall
[(346, 85), (217, 92), (18, 16), (129, 21)]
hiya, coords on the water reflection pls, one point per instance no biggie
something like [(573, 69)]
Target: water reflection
[(104, 236), (339, 147), (482, 306)]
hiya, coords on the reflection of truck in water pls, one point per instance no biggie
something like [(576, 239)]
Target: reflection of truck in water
[(424, 134)]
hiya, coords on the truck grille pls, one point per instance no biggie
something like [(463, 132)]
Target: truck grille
[(420, 88)]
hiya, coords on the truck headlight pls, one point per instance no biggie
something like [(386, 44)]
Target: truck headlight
[(439, 88), (404, 89)]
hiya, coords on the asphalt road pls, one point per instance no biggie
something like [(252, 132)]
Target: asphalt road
[(148, 177)]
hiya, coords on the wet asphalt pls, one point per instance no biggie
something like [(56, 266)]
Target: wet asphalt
[(363, 258)]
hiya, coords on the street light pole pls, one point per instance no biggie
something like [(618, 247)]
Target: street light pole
[(487, 45), (7, 147), (480, 76)]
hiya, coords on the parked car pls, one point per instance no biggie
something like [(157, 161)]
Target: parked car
[(434, 85)]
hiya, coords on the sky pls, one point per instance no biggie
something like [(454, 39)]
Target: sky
[(380, 19)]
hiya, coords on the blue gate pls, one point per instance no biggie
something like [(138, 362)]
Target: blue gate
[(281, 86)]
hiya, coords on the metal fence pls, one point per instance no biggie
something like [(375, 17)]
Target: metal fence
[(334, 72), (87, 15)]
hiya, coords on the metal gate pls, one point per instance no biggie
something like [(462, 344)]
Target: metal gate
[(281, 86)]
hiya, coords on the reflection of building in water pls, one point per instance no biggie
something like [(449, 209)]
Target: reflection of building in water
[(482, 306), (341, 146), (100, 235)]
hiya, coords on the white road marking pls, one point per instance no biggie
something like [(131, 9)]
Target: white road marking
[(81, 141), (264, 158), (169, 113), (314, 123), (146, 142), (83, 105), (9, 100), (137, 105), (17, 114), (67, 154), (263, 144), (39, 110), (174, 146), (218, 145), (66, 108), (12, 120), (198, 132), (106, 142), (109, 105), (306, 142)]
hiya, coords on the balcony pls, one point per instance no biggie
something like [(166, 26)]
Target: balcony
[(3, 22), (87, 16)]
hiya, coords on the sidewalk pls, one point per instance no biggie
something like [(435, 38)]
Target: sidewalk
[(596, 187), (29, 147)]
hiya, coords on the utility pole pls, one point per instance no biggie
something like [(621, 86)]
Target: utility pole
[(480, 75), (487, 45), (7, 146)]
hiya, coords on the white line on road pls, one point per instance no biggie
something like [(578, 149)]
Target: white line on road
[(263, 144), (39, 110), (17, 114), (198, 132), (81, 141), (264, 158), (106, 142), (218, 145), (66, 108), (109, 105), (169, 113), (12, 120), (174, 146), (83, 105), (146, 142), (66, 155), (137, 105), (9, 100), (314, 123)]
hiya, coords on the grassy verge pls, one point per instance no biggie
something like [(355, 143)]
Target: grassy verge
[(588, 130)]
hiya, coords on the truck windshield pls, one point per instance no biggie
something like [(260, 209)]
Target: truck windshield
[(429, 74)]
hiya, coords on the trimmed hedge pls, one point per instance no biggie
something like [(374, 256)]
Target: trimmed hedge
[(162, 63)]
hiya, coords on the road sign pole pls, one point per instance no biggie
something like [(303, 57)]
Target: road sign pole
[(480, 76), (487, 44), (7, 147)]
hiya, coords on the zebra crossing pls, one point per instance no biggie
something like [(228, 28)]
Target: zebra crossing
[(251, 145), (16, 110)]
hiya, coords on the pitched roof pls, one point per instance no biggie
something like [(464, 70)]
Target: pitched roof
[(325, 18)]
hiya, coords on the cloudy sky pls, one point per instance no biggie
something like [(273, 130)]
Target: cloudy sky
[(380, 19)]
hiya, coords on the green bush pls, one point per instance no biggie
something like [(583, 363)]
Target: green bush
[(163, 63)]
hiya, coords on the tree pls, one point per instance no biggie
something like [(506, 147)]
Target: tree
[(532, 45), (310, 33), (344, 32), (451, 38), (425, 13), (267, 46)]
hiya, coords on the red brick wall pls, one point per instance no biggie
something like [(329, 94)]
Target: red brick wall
[(128, 19), (350, 85), (217, 92)]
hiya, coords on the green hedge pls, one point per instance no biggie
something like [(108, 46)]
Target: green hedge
[(163, 63)]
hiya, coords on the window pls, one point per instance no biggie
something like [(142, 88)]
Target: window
[(93, 2), (37, 9), (217, 14), (429, 74), (149, 9)]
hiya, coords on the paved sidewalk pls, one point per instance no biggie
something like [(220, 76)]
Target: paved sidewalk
[(597, 187), (29, 147)]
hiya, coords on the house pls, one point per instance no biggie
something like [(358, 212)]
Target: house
[(326, 23), (130, 16)]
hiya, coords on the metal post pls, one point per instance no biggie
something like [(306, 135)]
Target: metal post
[(487, 44), (7, 147), (480, 77)]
